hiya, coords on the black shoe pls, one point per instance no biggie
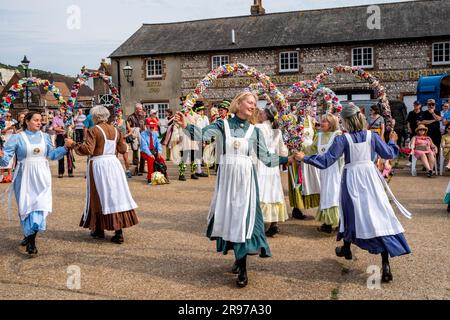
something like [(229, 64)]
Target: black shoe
[(387, 274), (118, 237), (202, 175), (342, 252), (193, 176), (98, 234), (24, 242), (429, 173), (242, 279), (298, 214), (140, 174), (182, 178), (31, 248), (235, 268), (326, 228), (448, 208), (31, 245), (149, 181), (272, 231)]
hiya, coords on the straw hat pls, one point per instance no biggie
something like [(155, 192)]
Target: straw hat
[(421, 127)]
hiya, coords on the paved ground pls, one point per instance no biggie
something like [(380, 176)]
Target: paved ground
[(167, 255)]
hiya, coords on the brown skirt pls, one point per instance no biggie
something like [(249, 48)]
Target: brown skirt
[(96, 220)]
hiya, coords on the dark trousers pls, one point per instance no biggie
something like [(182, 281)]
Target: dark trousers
[(79, 135), (60, 143)]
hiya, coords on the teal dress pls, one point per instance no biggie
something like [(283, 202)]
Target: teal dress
[(257, 244)]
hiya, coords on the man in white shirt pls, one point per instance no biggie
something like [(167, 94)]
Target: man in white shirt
[(201, 122)]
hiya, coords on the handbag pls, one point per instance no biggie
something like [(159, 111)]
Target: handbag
[(129, 139)]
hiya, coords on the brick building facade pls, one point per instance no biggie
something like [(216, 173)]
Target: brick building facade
[(170, 59)]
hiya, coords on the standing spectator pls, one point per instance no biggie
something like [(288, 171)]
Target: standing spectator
[(60, 130), (376, 121), (137, 120), (431, 119), (79, 126), (124, 128), (445, 116), (167, 137), (413, 118)]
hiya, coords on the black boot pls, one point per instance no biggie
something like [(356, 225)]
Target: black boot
[(344, 251), (31, 245), (387, 274), (298, 214), (98, 234), (273, 230), (182, 178), (24, 242), (448, 207), (118, 237), (242, 279), (325, 228), (235, 268)]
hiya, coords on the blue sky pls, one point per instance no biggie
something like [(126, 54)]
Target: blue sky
[(39, 28)]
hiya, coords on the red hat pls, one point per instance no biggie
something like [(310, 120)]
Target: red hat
[(153, 123)]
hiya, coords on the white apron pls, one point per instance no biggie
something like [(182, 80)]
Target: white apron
[(110, 181), (235, 193), (269, 179), (36, 184), (311, 175), (330, 178), (374, 216)]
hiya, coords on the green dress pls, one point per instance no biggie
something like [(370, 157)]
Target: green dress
[(257, 244)]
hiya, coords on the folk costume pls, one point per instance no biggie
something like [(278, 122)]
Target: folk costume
[(271, 193), (32, 181), (447, 197), (235, 219), (330, 182), (109, 204), (366, 215), (304, 182)]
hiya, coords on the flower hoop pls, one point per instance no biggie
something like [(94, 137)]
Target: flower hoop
[(291, 132), (360, 73), (84, 77), (14, 92)]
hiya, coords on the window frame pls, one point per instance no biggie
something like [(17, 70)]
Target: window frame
[(371, 66), (220, 56), (444, 62), (147, 68), (281, 70)]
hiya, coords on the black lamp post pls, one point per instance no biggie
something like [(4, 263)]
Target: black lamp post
[(128, 72), (25, 63)]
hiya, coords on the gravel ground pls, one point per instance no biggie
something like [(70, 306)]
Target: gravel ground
[(167, 256)]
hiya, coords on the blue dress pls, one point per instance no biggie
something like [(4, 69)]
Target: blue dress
[(395, 244), (16, 146)]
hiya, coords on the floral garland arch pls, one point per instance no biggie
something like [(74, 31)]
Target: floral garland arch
[(82, 78), (14, 92), (291, 132)]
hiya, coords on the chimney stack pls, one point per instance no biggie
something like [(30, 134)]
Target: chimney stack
[(257, 8)]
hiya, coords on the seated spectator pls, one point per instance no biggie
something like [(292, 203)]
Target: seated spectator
[(424, 149)]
